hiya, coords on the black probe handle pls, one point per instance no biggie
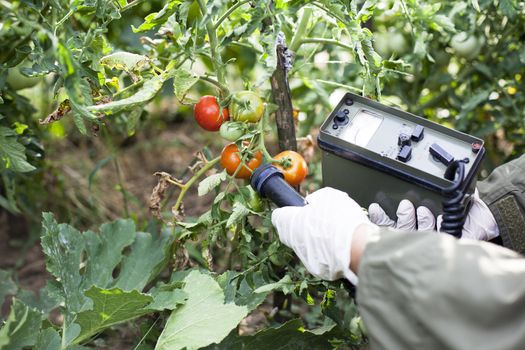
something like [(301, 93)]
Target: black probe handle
[(269, 182)]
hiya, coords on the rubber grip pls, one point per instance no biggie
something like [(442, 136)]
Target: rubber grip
[(269, 182)]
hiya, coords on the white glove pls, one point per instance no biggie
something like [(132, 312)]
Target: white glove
[(480, 223), (321, 232), (407, 217)]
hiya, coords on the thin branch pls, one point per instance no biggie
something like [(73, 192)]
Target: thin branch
[(131, 5), (229, 12), (326, 41)]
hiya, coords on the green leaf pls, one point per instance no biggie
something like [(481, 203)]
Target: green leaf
[(147, 257), (148, 91), (48, 339), (290, 335), (239, 211), (204, 318), (209, 183), (285, 284), (509, 8), (63, 246), (12, 153), (243, 293), (475, 101), (7, 287), (125, 61), (167, 297), (156, 19), (110, 306), (475, 4), (183, 80), (99, 255), (104, 251), (522, 55), (21, 327)]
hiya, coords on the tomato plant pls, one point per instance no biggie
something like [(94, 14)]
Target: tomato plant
[(237, 164), (116, 82), (293, 166), (209, 115)]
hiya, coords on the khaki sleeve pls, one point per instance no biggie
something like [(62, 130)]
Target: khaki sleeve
[(504, 193), (431, 291)]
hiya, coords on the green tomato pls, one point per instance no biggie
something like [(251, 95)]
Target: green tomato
[(18, 81), (390, 42), (465, 45), (246, 106), (398, 43), (232, 131)]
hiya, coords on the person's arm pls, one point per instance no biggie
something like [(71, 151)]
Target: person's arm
[(504, 193), (432, 291)]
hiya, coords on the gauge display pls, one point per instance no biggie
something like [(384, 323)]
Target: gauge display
[(361, 128)]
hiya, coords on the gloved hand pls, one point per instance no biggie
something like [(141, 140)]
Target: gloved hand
[(321, 232), (407, 217), (479, 224)]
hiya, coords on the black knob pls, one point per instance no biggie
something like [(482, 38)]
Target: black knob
[(341, 118), (403, 140), (405, 154), (476, 146), (418, 133)]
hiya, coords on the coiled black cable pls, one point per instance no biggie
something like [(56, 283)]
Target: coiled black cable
[(453, 207)]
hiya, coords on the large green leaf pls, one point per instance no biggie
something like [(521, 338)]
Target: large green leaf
[(92, 302), (48, 339), (12, 153), (7, 286), (167, 297), (21, 327), (110, 306), (204, 318), (148, 255), (290, 335), (149, 90)]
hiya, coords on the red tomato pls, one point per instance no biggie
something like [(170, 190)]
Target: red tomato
[(294, 168), (231, 159), (207, 114)]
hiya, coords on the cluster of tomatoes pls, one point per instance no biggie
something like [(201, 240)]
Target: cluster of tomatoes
[(245, 108)]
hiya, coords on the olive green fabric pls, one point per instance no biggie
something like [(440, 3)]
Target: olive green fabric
[(431, 291), (504, 192)]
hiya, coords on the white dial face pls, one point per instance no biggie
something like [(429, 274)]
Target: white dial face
[(361, 128)]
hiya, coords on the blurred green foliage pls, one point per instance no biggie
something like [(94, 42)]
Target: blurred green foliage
[(72, 69)]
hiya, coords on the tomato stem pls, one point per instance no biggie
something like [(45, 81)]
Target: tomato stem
[(326, 41), (301, 29), (214, 45), (223, 88), (185, 187), (229, 12), (262, 146)]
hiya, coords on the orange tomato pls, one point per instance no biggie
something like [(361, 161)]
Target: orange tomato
[(231, 160), (294, 167)]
